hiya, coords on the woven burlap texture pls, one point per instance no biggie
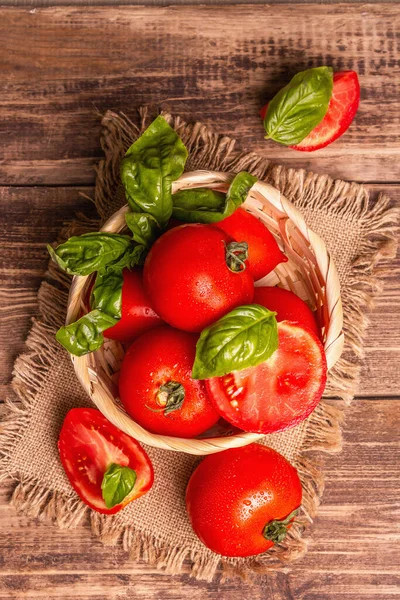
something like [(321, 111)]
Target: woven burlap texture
[(358, 233)]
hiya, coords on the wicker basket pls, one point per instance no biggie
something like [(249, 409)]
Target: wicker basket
[(309, 272)]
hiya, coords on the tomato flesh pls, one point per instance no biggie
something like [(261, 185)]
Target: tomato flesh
[(232, 495), (278, 393), (156, 358), (264, 252), (137, 316), (88, 445), (341, 112), (287, 305)]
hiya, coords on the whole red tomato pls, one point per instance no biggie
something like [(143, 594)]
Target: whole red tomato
[(287, 305), (194, 274), (137, 316), (242, 501), (264, 252), (156, 385)]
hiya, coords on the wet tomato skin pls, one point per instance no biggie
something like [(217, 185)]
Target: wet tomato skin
[(187, 278), (264, 252), (232, 495), (137, 316), (287, 305), (156, 358)]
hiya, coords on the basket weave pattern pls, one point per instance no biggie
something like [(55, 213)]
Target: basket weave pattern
[(309, 272)]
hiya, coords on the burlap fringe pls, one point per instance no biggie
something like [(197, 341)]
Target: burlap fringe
[(209, 151)]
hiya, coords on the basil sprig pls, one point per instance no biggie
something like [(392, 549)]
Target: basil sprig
[(86, 334), (150, 166), (245, 337), (144, 228), (87, 253), (117, 484), (300, 106), (107, 293), (202, 205)]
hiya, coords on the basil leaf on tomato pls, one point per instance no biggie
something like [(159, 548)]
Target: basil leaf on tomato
[(84, 254), (245, 337), (144, 228), (117, 484), (107, 293), (300, 106), (86, 334), (202, 205), (150, 166)]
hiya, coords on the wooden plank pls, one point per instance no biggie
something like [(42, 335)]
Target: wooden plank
[(353, 554), (217, 64), (34, 217)]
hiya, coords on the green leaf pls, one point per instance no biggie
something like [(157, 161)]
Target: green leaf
[(86, 334), (107, 293), (201, 205), (300, 106), (117, 484), (84, 254), (144, 227), (245, 337), (150, 166), (134, 255)]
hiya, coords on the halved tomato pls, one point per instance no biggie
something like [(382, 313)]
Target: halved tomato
[(88, 446), (278, 393)]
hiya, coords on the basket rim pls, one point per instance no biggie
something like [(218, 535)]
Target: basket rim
[(333, 345)]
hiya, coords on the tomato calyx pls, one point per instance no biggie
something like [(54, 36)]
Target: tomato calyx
[(236, 253), (275, 531), (170, 397)]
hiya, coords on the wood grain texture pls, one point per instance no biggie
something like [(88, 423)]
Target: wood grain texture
[(59, 68), (217, 64)]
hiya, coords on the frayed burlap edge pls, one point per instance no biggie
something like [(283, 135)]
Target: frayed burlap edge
[(207, 150)]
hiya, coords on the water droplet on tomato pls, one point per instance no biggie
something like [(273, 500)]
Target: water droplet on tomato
[(247, 502)]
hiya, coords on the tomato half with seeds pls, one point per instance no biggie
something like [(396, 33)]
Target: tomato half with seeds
[(242, 501), (89, 444), (278, 393), (264, 252), (156, 385)]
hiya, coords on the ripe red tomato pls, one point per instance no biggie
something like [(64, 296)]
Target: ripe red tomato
[(88, 445), (137, 314), (156, 385), (341, 111), (264, 252), (241, 502), (190, 276), (278, 393), (287, 305)]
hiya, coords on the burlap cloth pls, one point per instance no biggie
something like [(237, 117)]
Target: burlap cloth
[(358, 232)]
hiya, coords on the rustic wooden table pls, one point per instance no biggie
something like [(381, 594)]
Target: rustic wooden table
[(59, 68)]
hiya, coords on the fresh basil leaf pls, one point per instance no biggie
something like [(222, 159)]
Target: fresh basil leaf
[(245, 337), (201, 205), (144, 228), (86, 334), (84, 254), (150, 166), (300, 106), (107, 293), (117, 483), (134, 255)]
